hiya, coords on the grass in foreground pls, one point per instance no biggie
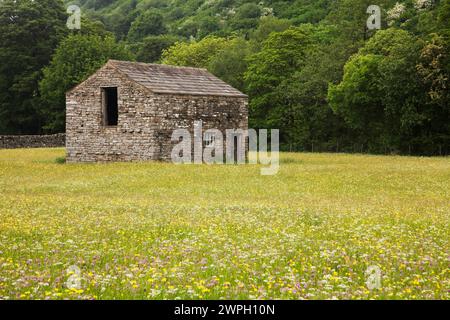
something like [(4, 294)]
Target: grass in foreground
[(160, 231)]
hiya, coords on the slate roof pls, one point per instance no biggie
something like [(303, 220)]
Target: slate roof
[(175, 80)]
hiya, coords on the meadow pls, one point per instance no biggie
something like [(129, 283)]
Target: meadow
[(160, 231)]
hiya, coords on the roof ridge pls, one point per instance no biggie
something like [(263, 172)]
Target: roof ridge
[(156, 64)]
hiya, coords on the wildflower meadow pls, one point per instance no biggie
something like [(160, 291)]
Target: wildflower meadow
[(162, 231)]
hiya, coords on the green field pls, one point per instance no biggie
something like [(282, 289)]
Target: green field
[(160, 231)]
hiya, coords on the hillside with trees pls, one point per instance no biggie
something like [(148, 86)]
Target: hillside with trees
[(311, 68)]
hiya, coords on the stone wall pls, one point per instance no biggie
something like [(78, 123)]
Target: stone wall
[(146, 120), (44, 141)]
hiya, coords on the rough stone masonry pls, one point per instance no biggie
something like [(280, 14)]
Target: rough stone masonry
[(32, 141), (152, 101)]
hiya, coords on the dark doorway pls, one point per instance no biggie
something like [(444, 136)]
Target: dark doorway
[(110, 106)]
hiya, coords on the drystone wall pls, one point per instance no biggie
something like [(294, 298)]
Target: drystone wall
[(35, 141)]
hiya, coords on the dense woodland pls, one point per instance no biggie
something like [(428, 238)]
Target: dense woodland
[(310, 67)]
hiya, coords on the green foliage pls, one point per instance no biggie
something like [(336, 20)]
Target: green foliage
[(92, 27), (207, 26), (266, 26), (310, 123), (382, 94), (444, 14), (434, 71), (224, 57), (152, 47), (149, 23), (29, 33), (230, 63), (194, 54), (289, 56), (200, 18), (248, 10), (120, 18), (60, 160), (282, 55), (358, 97), (76, 58), (246, 16)]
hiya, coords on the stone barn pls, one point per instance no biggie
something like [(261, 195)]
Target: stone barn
[(127, 111)]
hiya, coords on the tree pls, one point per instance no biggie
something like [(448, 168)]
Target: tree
[(248, 10), (282, 55), (148, 23), (89, 26), (76, 58), (308, 121), (207, 26), (399, 81), (246, 17), (224, 57), (358, 98), (194, 54), (444, 14), (434, 71), (230, 63), (188, 29), (266, 26), (152, 47), (29, 33), (381, 93)]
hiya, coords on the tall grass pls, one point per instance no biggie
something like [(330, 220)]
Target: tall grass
[(157, 230)]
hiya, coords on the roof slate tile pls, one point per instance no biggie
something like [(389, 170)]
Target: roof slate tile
[(175, 80)]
